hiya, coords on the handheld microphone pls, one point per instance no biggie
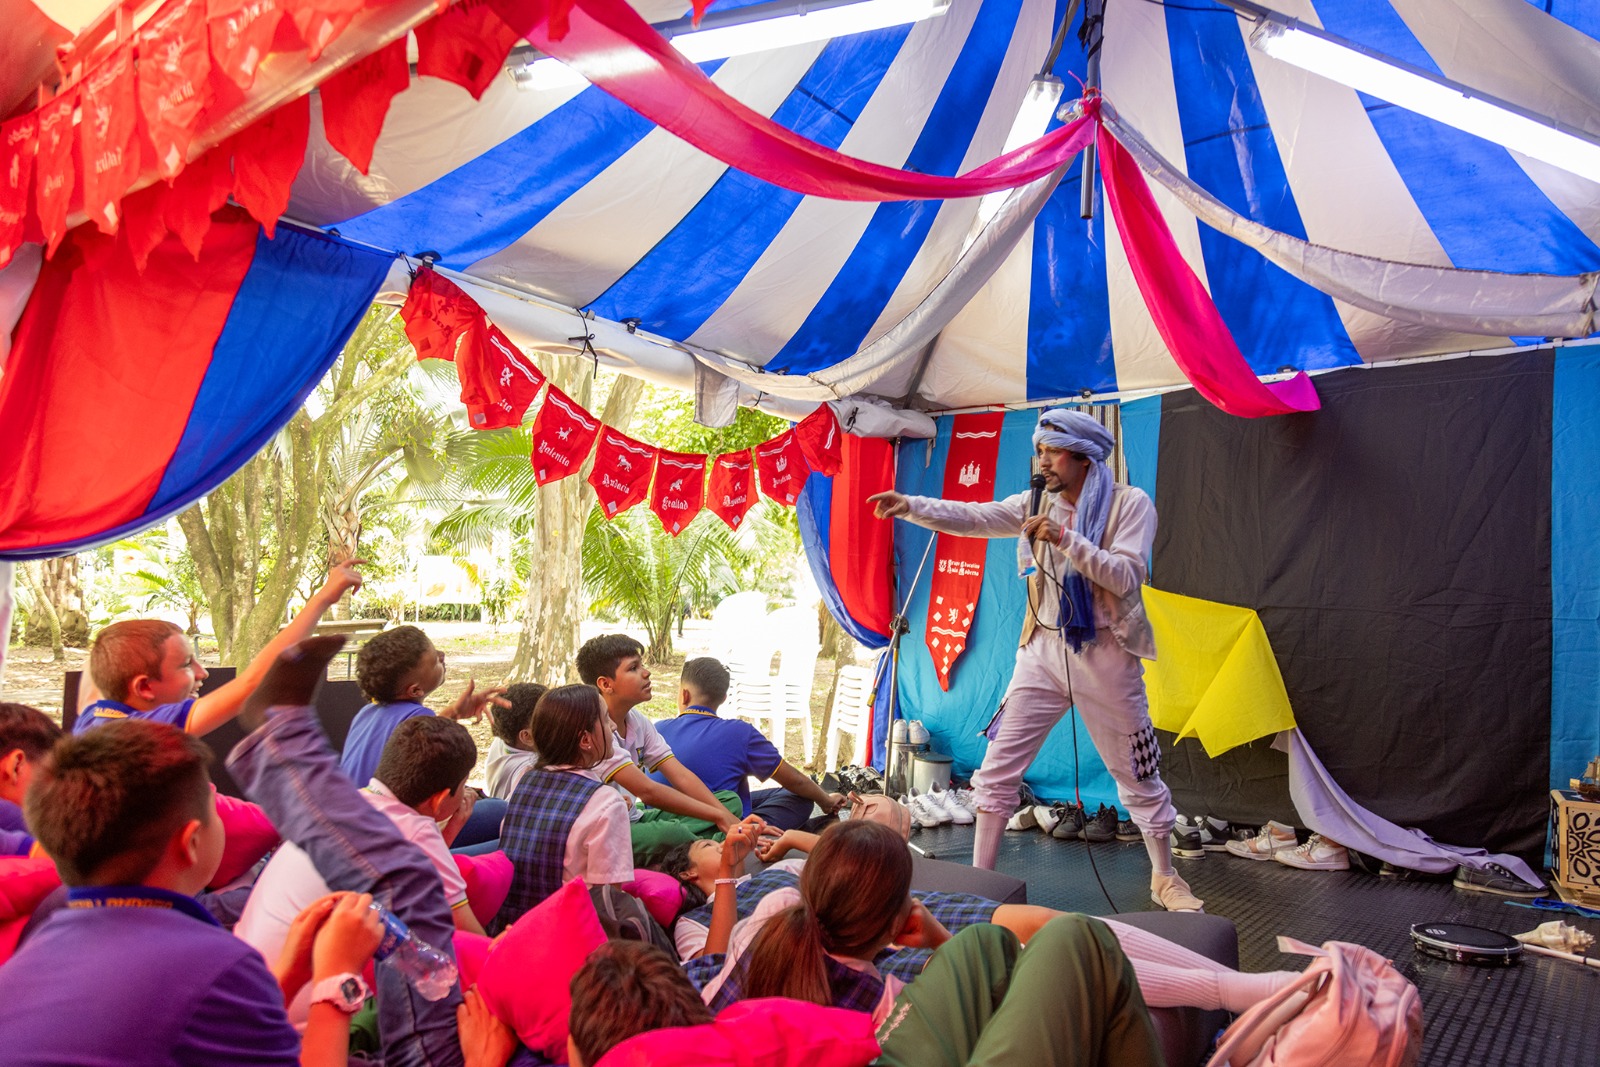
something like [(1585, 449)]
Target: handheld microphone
[(1037, 484)]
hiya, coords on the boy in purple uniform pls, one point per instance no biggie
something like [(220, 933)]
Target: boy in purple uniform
[(146, 668), (126, 812), (26, 735)]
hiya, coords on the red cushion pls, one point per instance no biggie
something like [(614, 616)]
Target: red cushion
[(526, 977), (471, 952), (23, 883), (249, 835), (488, 881), (772, 1032), (661, 894)]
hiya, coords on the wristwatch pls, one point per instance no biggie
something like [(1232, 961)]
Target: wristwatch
[(347, 992)]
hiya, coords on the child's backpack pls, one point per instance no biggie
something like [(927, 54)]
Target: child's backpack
[(1350, 1007), (624, 918)]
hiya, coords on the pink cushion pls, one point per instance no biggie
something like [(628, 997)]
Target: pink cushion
[(488, 881), (249, 836), (471, 952), (524, 981), (771, 1032), (23, 883), (661, 894)]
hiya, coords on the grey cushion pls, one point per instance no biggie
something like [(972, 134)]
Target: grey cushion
[(942, 876), (1186, 1033)]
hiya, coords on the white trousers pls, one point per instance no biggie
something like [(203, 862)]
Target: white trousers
[(1107, 685)]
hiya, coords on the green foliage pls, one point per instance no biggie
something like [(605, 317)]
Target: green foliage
[(665, 417)]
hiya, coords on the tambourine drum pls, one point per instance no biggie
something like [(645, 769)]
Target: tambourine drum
[(1466, 944)]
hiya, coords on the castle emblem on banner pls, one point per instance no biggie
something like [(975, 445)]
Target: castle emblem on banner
[(969, 474)]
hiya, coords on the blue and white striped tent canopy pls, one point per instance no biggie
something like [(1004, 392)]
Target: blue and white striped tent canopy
[(568, 196)]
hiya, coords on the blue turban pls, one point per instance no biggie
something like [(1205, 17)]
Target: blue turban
[(1083, 434)]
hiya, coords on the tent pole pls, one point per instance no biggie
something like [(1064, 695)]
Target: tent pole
[(1092, 35)]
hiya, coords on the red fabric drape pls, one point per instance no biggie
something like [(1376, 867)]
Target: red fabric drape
[(498, 382), (55, 173), (320, 21), (958, 561), (679, 489), (1184, 313), (241, 33), (355, 101), (437, 315), (200, 189), (467, 45), (266, 158), (861, 546), (732, 490)]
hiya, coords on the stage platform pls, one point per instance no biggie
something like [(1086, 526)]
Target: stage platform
[(1541, 1012)]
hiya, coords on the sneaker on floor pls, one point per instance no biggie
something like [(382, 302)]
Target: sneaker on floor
[(1187, 843), (945, 801), (1069, 822), (924, 811), (1128, 830), (1046, 818), (1409, 874), (1023, 818), (963, 798), (1272, 838), (1216, 833), (1317, 854), (1101, 828), (1173, 893), (1495, 879)]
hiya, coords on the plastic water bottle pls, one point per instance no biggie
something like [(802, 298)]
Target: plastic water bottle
[(431, 971)]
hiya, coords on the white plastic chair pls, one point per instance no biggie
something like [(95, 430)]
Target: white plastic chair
[(852, 716), (798, 641), (734, 622)]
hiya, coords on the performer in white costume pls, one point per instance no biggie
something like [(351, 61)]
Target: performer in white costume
[(1085, 632)]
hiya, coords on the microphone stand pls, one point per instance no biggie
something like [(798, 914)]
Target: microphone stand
[(899, 626)]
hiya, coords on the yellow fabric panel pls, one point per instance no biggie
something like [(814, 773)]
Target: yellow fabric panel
[(1216, 678)]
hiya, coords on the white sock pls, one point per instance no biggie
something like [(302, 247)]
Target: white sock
[(1171, 976), (991, 826), (1160, 849)]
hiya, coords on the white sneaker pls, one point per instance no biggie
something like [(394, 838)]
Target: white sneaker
[(924, 811), (947, 803), (1022, 819), (1044, 817), (916, 733), (964, 797), (1273, 837), (1317, 854)]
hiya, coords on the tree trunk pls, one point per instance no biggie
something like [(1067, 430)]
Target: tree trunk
[(45, 609), (553, 607)]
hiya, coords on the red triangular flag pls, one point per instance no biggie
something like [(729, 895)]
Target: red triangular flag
[(320, 21), (821, 440), (241, 35), (199, 190), (53, 168), (266, 157), (144, 224), (105, 138), (563, 436), (437, 315), (732, 491), (19, 143), (467, 45), (622, 469), (679, 489), (498, 382), (783, 469), (174, 83), (355, 101)]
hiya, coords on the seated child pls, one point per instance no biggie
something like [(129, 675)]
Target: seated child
[(725, 753), (126, 812), (674, 813), (419, 782), (397, 669), (26, 735), (562, 823), (146, 668), (511, 752), (626, 988)]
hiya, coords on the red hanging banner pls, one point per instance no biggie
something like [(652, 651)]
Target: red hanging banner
[(355, 101), (679, 489), (958, 561), (437, 315), (819, 436), (563, 437), (110, 153), (241, 36), (19, 143), (320, 21), (622, 469), (467, 45), (53, 168), (200, 189), (732, 489), (174, 65), (498, 382), (266, 158), (783, 470)]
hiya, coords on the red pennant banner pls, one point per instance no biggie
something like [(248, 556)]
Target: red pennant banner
[(241, 36), (783, 470), (821, 440), (200, 189), (355, 101), (437, 315), (467, 45), (144, 224), (320, 21), (105, 137), (53, 168), (958, 561), (622, 469), (563, 437), (266, 157), (679, 489), (732, 489), (498, 382), (173, 88), (19, 143)]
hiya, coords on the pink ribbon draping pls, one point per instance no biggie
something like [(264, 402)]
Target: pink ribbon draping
[(1184, 313), (612, 46)]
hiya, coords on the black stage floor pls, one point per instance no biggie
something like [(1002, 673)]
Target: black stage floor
[(1539, 1012)]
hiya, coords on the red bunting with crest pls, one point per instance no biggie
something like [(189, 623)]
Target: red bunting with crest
[(820, 439), (437, 315), (958, 561), (105, 138), (498, 382), (563, 437), (732, 490), (173, 87), (622, 469), (320, 21), (241, 36), (53, 168), (19, 143), (679, 489), (783, 470)]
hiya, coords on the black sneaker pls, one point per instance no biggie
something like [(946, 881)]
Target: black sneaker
[(1101, 828), (1495, 879), (1128, 830), (1187, 841), (1069, 826), (1406, 874)]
